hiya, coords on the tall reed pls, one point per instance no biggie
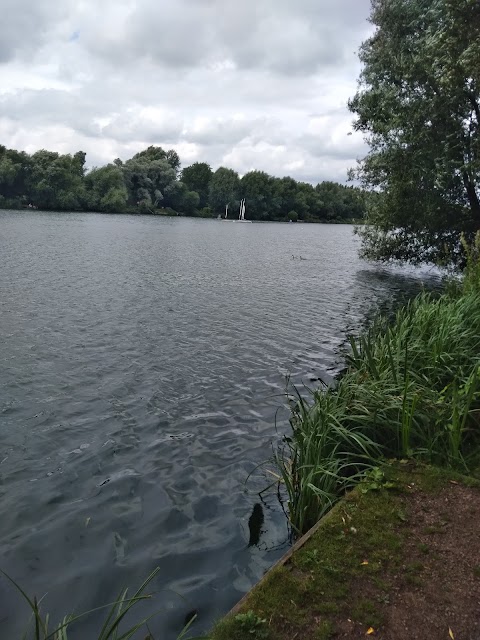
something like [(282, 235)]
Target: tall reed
[(115, 626), (322, 458), (411, 389)]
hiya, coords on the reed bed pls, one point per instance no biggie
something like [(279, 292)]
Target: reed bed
[(411, 389)]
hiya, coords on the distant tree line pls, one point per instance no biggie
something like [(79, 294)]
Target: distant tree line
[(152, 182)]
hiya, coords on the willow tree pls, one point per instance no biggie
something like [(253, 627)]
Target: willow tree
[(418, 104), (223, 189), (197, 178)]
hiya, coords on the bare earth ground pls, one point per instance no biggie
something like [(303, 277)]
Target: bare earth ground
[(397, 563), (437, 589)]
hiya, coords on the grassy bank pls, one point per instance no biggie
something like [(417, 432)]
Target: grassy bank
[(411, 390), (397, 558)]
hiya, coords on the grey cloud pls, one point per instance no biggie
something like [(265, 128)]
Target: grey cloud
[(25, 25), (50, 107), (322, 147), (80, 112), (225, 131), (285, 37), (228, 82), (151, 125), (129, 126)]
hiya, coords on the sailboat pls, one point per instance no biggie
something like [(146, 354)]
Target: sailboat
[(241, 215), (226, 215)]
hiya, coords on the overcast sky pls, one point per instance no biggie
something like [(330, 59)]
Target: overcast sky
[(248, 84)]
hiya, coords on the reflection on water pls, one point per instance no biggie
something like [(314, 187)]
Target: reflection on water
[(143, 364), (401, 286)]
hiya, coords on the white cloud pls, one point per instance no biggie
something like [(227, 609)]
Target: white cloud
[(258, 84)]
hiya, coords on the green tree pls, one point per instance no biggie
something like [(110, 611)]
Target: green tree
[(338, 202), (419, 105), (14, 169), (150, 180), (57, 181), (178, 197), (150, 154), (106, 189), (258, 189), (197, 178), (184, 200), (223, 189), (284, 194), (307, 201)]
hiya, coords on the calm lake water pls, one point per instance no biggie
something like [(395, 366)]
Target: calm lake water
[(143, 362)]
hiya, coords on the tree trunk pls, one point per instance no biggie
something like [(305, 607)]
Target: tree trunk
[(472, 198)]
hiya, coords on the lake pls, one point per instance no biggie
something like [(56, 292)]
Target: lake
[(143, 366)]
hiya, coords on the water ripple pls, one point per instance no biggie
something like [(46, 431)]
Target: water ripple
[(143, 364)]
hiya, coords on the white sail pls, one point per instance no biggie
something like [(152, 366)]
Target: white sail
[(226, 211), (241, 215)]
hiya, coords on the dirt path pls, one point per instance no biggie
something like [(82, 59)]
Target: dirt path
[(397, 559)]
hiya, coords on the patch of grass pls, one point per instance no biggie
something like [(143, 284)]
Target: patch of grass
[(439, 477), (349, 568), (413, 580), (413, 572), (324, 631), (383, 598), (381, 585), (432, 529), (359, 539), (328, 607), (367, 612), (251, 626), (401, 515), (414, 568)]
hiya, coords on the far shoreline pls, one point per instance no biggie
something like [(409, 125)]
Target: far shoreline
[(181, 215)]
